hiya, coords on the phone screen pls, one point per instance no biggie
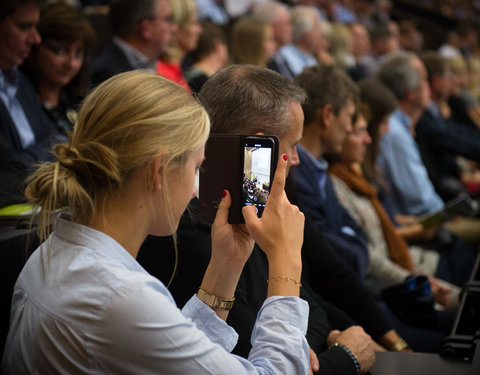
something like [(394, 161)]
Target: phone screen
[(257, 170)]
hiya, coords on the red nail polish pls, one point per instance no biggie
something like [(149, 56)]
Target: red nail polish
[(285, 157), (224, 193)]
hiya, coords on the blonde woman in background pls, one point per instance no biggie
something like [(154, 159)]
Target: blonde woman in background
[(82, 304), (253, 42), (184, 40)]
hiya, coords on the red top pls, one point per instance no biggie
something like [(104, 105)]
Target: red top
[(174, 73)]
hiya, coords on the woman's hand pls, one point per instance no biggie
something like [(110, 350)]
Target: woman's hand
[(279, 232), (231, 247), (231, 244)]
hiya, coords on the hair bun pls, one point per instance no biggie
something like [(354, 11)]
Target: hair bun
[(90, 162), (66, 155)]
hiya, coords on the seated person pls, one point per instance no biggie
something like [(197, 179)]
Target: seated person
[(184, 40), (209, 57), (390, 259), (282, 116), (24, 128), (119, 175), (142, 31), (58, 66), (328, 120)]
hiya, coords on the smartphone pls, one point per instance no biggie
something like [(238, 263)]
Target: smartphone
[(242, 164), (258, 169)]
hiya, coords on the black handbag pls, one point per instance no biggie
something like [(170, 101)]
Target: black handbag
[(412, 301)]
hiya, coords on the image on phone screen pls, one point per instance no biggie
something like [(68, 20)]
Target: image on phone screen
[(257, 167)]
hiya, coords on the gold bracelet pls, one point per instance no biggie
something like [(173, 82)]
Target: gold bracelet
[(215, 302), (287, 278), (399, 345)]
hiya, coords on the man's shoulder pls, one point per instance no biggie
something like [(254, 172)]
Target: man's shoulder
[(112, 60)]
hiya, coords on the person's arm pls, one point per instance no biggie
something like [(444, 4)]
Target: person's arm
[(406, 174), (354, 340)]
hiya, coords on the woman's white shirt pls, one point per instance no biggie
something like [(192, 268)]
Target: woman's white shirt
[(91, 308)]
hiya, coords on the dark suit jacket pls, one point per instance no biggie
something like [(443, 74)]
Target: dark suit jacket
[(16, 162), (439, 141), (329, 216), (108, 63), (42, 128)]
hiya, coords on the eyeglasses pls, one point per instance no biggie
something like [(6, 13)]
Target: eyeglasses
[(167, 19), (64, 51)]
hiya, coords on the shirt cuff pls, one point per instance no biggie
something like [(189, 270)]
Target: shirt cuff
[(216, 329), (293, 310)]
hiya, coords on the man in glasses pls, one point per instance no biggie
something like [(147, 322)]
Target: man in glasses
[(142, 30)]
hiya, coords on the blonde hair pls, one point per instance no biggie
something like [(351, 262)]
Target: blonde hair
[(182, 12), (121, 127), (248, 37)]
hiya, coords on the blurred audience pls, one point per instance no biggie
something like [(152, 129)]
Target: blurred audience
[(305, 34), (210, 55), (143, 30), (278, 15), (253, 42), (184, 40)]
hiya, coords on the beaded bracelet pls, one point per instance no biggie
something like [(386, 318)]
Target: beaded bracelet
[(351, 355), (287, 278)]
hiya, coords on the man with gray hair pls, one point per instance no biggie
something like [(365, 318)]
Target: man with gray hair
[(306, 33), (410, 187), (278, 15), (142, 29)]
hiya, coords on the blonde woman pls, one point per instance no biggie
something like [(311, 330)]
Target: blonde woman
[(253, 42), (82, 304), (185, 40)]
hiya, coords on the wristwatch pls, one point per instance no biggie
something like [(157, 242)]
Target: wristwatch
[(399, 345), (215, 302)]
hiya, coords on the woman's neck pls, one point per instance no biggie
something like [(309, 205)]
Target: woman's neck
[(49, 94), (125, 219)]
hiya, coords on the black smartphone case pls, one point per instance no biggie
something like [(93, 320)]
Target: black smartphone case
[(223, 169)]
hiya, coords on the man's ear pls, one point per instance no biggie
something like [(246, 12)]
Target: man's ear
[(325, 115), (145, 29), (410, 94)]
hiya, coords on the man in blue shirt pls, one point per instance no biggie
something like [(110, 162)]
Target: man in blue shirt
[(328, 120), (410, 187), (305, 34)]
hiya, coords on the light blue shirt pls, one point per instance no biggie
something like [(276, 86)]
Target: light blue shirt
[(8, 95), (318, 167), (296, 59), (82, 304), (210, 9), (411, 189)]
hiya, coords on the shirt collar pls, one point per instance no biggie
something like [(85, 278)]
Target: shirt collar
[(9, 82), (104, 246), (402, 118), (318, 165), (433, 108), (137, 59)]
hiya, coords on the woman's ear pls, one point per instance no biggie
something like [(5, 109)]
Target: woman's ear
[(157, 171)]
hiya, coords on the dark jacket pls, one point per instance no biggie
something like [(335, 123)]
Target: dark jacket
[(109, 62)]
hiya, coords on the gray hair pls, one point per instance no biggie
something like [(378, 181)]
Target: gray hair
[(246, 99), (268, 10), (303, 21), (398, 74), (126, 14)]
